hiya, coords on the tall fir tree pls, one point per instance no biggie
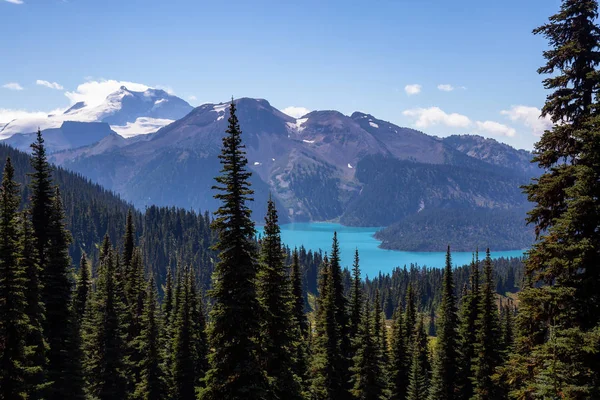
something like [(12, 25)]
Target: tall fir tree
[(418, 386), (341, 360), (105, 336), (235, 371), (152, 385), (189, 342), (325, 384), (14, 322), (37, 348), (41, 188), (356, 299), (83, 288), (399, 359), (445, 373), (277, 325), (559, 319), (410, 316), (488, 345), (300, 320), (298, 295), (469, 313), (128, 242), (60, 324), (368, 378)]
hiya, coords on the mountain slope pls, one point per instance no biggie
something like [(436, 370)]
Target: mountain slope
[(324, 166)]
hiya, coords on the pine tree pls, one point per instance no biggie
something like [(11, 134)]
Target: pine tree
[(368, 378), (60, 324), (410, 317), (13, 302), (41, 199), (275, 297), (559, 319), (399, 359), (152, 385), (298, 295), (189, 342), (235, 371), (37, 347), (488, 346), (326, 345), (168, 298), (82, 288), (467, 332), (128, 242), (300, 321), (356, 300), (341, 360), (134, 298), (444, 376), (418, 385), (105, 336)]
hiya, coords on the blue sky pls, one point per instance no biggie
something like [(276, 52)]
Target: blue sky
[(386, 58)]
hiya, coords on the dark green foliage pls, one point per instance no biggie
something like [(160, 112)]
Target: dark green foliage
[(298, 308), (467, 229), (83, 288), (356, 300), (189, 340), (41, 199), (406, 184), (277, 324), (152, 385), (301, 328), (105, 335), (399, 359), (559, 319), (13, 302), (418, 386), (341, 359), (235, 371), (128, 242), (60, 324), (488, 347), (368, 378), (410, 316), (37, 347), (445, 371), (469, 313), (325, 345)]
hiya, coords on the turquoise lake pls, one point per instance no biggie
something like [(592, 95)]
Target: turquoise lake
[(318, 235)]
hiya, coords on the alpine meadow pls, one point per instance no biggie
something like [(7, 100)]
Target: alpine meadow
[(143, 250)]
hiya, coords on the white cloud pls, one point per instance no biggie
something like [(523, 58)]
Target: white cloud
[(12, 86), (51, 85), (93, 93), (530, 117), (495, 128), (412, 89), (15, 1), (295, 112), (433, 116), (426, 117), (192, 98), (445, 87)]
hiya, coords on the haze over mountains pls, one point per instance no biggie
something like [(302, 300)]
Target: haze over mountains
[(324, 166)]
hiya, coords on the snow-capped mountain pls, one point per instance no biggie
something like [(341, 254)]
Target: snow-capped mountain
[(127, 112)]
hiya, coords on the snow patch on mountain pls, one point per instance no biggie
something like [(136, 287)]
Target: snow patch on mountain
[(141, 126), (128, 112), (373, 124)]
